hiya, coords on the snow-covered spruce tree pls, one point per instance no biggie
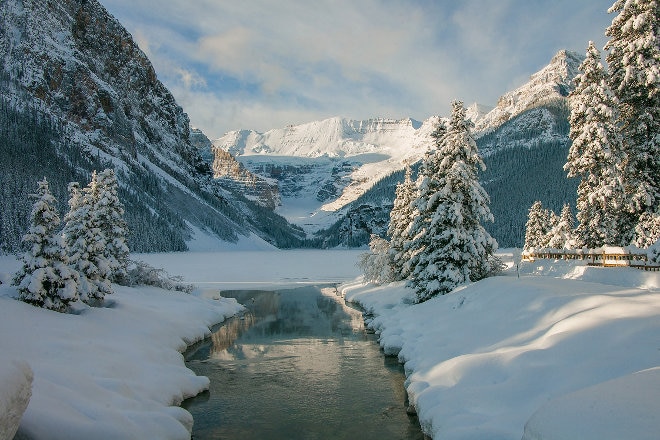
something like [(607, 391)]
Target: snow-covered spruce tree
[(401, 218), (375, 264), (46, 280), (634, 68), (426, 186), (597, 157), (561, 236), (110, 216), (456, 247), (553, 224), (86, 243), (537, 227), (647, 230), (75, 234)]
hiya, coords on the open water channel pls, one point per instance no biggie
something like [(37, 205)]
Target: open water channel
[(297, 365)]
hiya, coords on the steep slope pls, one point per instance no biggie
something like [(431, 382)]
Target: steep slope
[(551, 83), (71, 72)]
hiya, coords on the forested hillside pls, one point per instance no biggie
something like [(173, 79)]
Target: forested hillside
[(77, 95), (528, 168)]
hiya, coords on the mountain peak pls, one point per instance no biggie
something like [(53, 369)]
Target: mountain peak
[(477, 111), (554, 81)]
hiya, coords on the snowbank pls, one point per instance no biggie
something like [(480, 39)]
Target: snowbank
[(623, 408), (113, 372), (482, 360), (15, 392)]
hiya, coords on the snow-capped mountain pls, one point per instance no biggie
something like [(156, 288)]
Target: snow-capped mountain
[(336, 162), (552, 82), (334, 137), (78, 94), (324, 165)]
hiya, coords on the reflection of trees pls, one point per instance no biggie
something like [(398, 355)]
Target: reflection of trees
[(229, 332), (341, 312), (259, 303)]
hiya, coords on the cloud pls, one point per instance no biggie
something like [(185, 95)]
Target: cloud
[(262, 64)]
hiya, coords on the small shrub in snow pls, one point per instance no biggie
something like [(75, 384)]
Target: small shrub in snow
[(139, 273), (376, 263)]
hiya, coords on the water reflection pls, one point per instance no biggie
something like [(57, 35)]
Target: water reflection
[(297, 364)]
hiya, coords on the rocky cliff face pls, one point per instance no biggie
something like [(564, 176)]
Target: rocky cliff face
[(83, 67), (235, 176), (75, 65)]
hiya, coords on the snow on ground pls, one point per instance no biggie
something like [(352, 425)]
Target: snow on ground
[(15, 392), (575, 347), (105, 373), (564, 351)]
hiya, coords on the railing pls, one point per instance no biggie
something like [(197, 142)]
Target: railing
[(599, 258)]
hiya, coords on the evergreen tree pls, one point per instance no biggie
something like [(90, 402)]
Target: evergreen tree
[(46, 280), (647, 230), (537, 227), (86, 242), (553, 224), (426, 185), (634, 66), (454, 246), (401, 218), (110, 215), (596, 155), (561, 236)]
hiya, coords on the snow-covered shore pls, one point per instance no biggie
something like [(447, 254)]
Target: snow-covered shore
[(112, 372), (543, 356)]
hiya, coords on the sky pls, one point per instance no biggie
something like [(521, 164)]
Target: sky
[(264, 64)]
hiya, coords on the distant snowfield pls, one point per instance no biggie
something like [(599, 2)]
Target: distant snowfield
[(563, 352)]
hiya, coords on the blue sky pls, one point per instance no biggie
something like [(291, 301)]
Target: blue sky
[(262, 64)]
